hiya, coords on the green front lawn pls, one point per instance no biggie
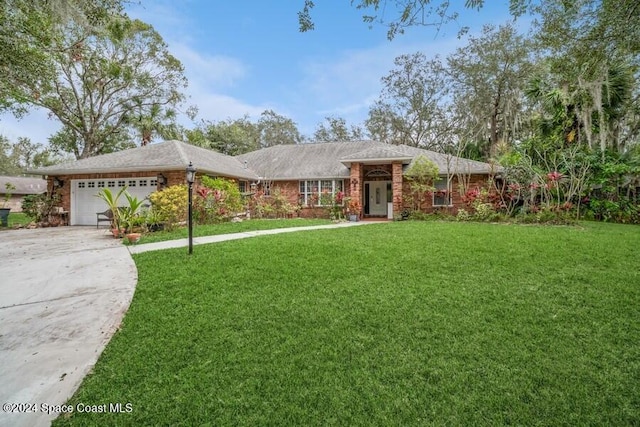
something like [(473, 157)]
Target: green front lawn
[(406, 323)]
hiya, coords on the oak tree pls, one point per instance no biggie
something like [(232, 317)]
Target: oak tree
[(98, 81)]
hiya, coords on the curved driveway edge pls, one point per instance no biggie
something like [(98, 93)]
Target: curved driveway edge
[(63, 293)]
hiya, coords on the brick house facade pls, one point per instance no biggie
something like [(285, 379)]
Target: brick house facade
[(368, 172)]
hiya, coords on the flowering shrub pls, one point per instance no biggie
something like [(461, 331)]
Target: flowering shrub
[(483, 211), (217, 200), (171, 203), (334, 204), (481, 198), (277, 205), (354, 207), (463, 215), (554, 176)]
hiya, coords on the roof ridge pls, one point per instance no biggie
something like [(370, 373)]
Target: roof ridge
[(181, 151)]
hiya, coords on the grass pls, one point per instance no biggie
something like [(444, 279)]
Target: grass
[(229, 227), (407, 323), (16, 218)]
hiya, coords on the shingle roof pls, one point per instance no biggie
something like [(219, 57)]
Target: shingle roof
[(168, 155), (450, 163), (376, 153), (302, 161), (281, 162), (23, 185), (332, 160)]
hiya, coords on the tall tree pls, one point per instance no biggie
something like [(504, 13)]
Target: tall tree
[(336, 129), (276, 129), (400, 14), (108, 77), (27, 31), (591, 70), (488, 77), (412, 108), (230, 137), (68, 141), (16, 157), (568, 113), (8, 162)]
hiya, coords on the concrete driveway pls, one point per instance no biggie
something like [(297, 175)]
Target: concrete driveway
[(63, 293)]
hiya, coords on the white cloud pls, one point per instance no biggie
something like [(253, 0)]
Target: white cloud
[(211, 77), (212, 106), (212, 72), (348, 83)]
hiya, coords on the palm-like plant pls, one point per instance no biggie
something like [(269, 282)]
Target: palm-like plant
[(130, 212), (577, 111), (112, 203), (155, 121)]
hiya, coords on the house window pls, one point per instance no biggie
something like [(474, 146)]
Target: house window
[(311, 190), (111, 184), (100, 184), (143, 183), (91, 184), (266, 187), (132, 183), (242, 186), (81, 185), (305, 191), (442, 193), (121, 183), (153, 182)]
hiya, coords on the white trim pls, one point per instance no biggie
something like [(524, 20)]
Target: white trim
[(318, 186)]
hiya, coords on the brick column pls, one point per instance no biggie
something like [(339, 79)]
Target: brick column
[(396, 174), (355, 183)]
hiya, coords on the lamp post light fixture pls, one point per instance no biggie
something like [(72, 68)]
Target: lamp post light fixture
[(191, 177), (162, 181)]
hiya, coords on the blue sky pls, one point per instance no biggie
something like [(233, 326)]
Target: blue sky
[(242, 57)]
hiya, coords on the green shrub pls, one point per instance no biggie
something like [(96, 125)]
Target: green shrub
[(463, 215), (277, 205), (218, 200), (171, 203), (484, 211), (39, 207)]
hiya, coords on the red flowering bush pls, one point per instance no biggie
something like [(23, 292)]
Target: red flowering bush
[(217, 200), (554, 176)]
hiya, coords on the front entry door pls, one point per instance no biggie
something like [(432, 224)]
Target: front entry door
[(378, 198)]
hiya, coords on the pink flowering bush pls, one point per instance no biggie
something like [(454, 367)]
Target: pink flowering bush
[(217, 200)]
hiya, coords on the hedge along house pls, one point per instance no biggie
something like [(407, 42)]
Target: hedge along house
[(141, 170), (371, 173)]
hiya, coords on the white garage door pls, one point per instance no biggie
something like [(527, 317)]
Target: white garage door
[(85, 204)]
